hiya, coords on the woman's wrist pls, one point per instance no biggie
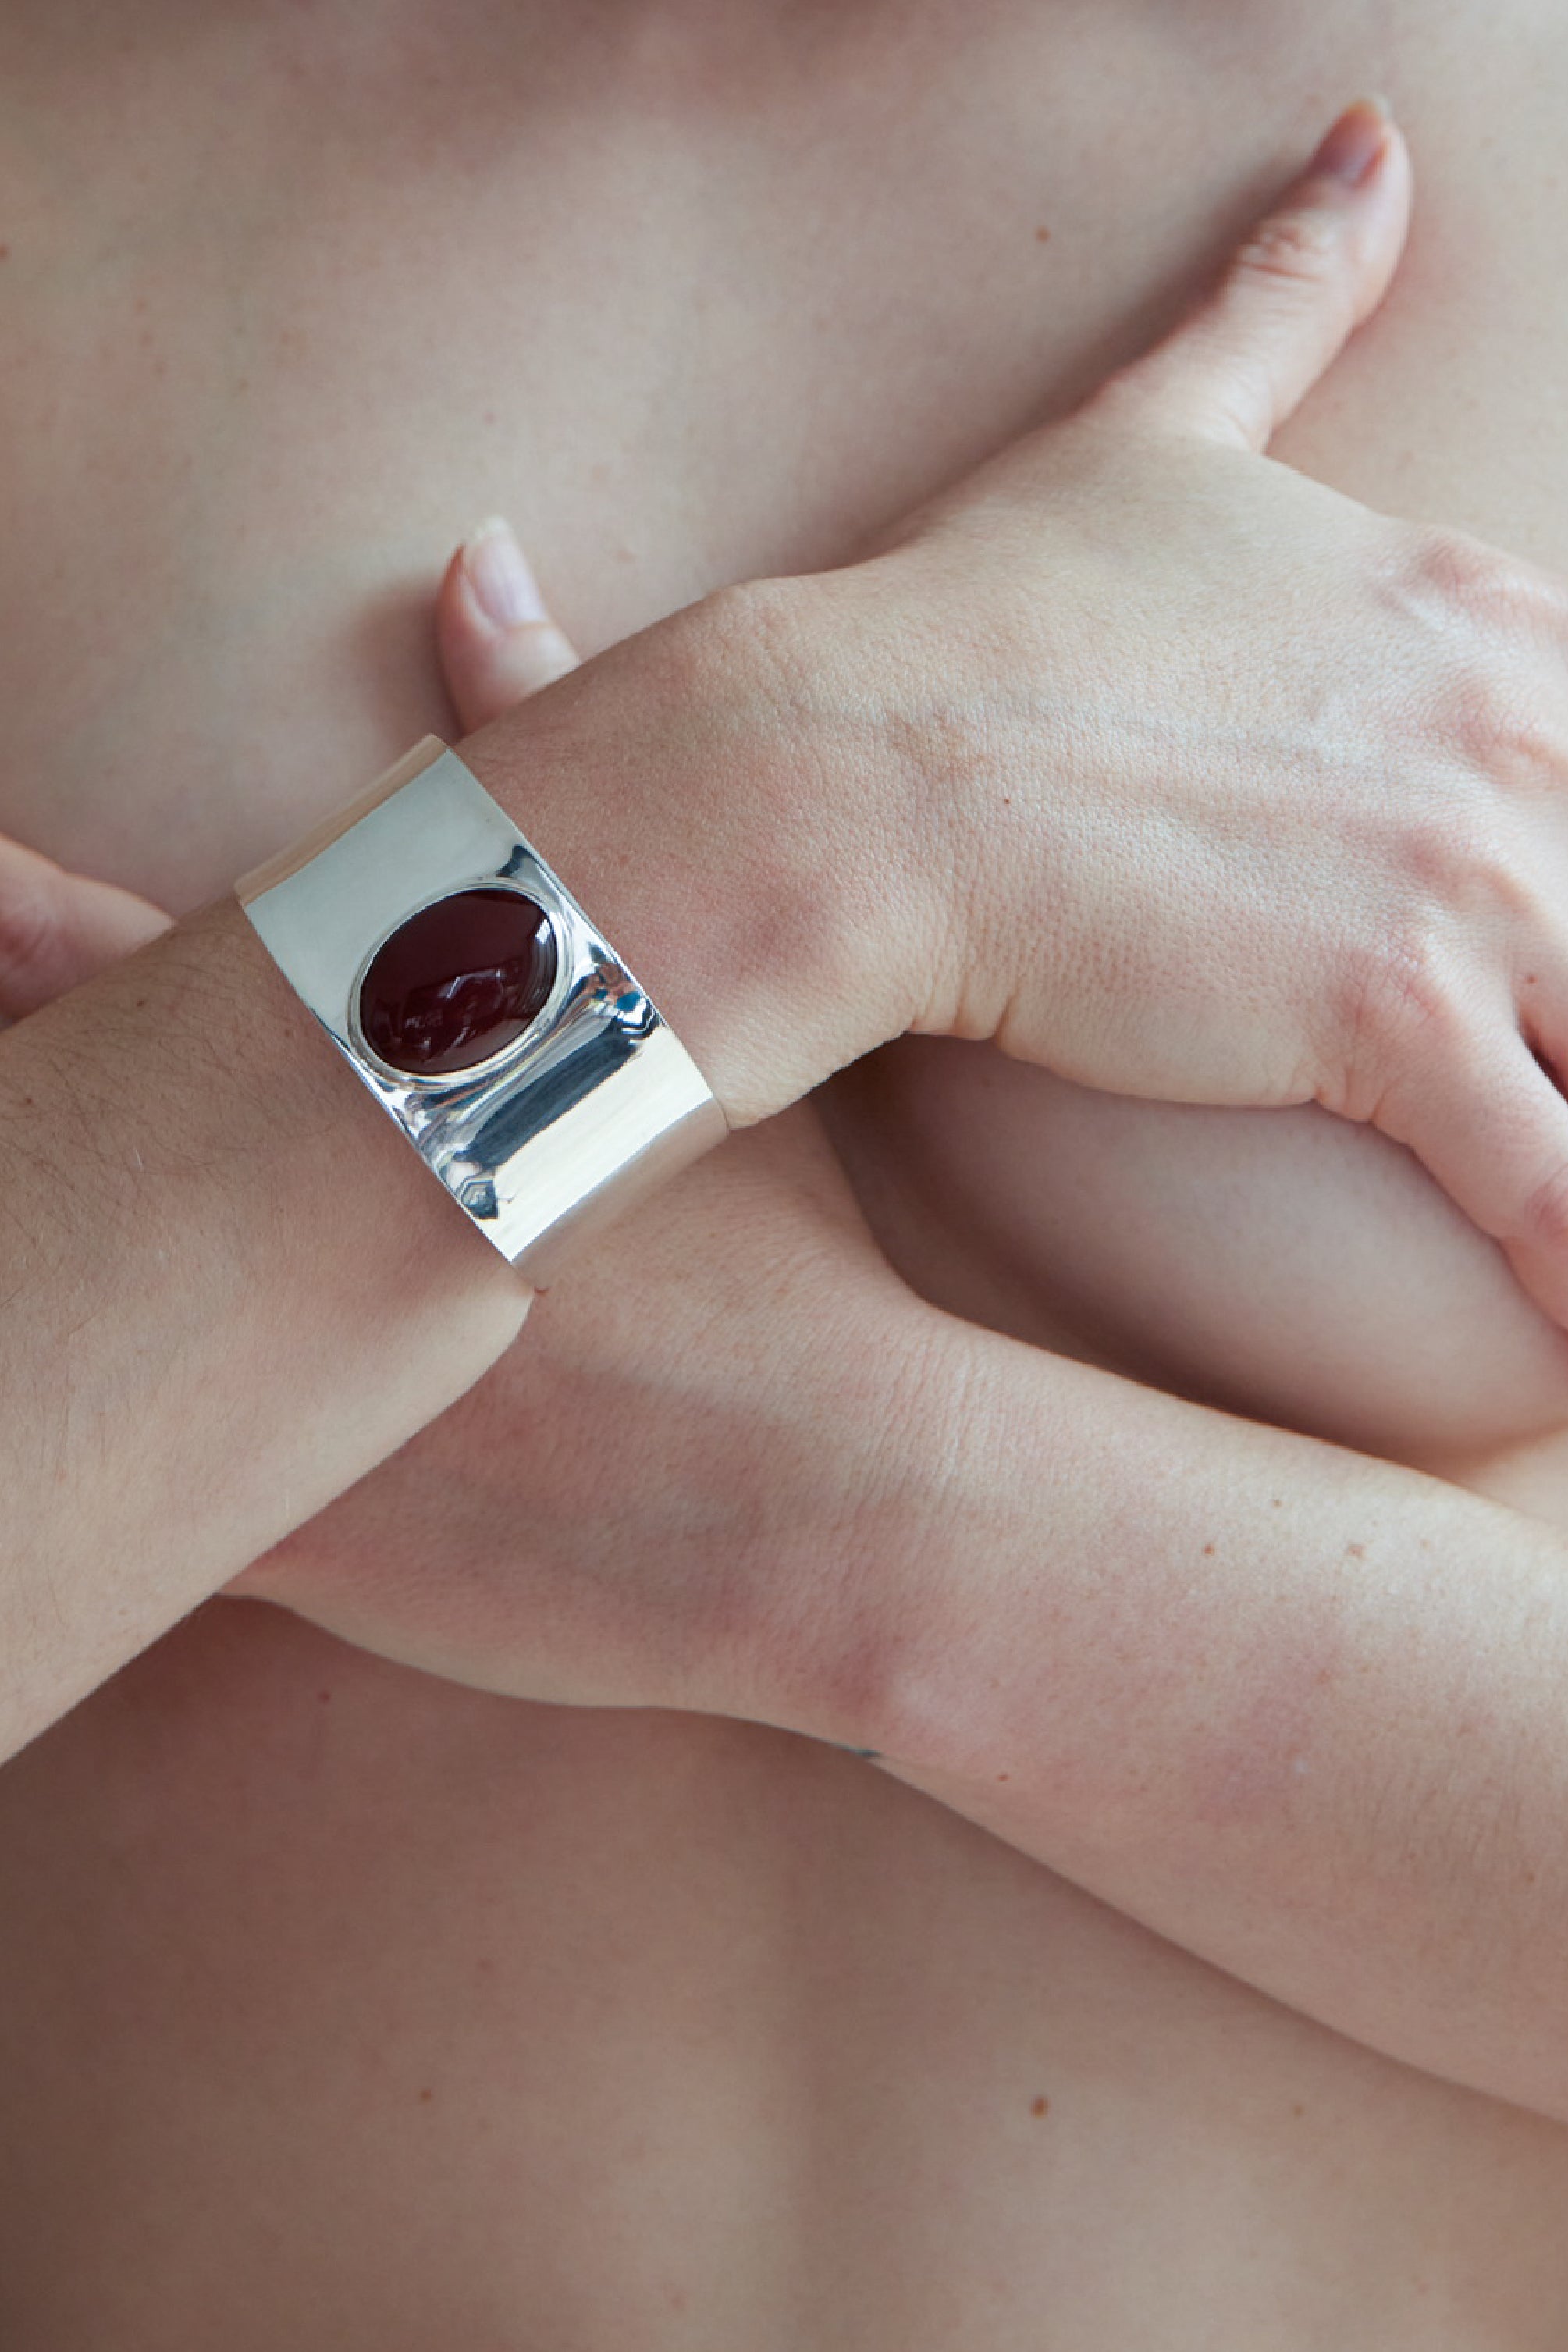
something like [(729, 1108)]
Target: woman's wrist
[(676, 784), (1254, 1691), (873, 1542), (215, 1235)]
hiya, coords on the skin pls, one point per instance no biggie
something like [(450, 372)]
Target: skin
[(1068, 2292), (835, 1591), (858, 1655)]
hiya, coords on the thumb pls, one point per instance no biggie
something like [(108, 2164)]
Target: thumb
[(58, 928), (1312, 270), (497, 640)]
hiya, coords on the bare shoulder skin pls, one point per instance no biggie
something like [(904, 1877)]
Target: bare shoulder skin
[(340, 2007)]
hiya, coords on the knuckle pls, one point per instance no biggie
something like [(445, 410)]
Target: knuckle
[(1494, 628), (1478, 716), (1299, 250), (1451, 563), (1501, 731), (1544, 1215), (1520, 593), (1468, 878), (1451, 862), (1395, 1004), (1451, 573), (1456, 570)]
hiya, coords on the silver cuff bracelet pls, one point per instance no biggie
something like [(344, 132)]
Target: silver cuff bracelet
[(463, 982)]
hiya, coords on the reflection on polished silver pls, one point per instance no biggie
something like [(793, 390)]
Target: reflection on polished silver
[(562, 1126)]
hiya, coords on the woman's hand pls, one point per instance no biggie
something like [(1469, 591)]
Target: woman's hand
[(58, 928), (1139, 493), (1248, 1689), (1153, 761)]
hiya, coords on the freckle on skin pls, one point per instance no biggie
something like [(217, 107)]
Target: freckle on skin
[(1039, 2106), (1355, 1551), (1042, 234), (426, 2098), (1004, 1776), (325, 1697), (1297, 2109), (1208, 1551)]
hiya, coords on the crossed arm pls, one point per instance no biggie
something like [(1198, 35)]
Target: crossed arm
[(1295, 1709)]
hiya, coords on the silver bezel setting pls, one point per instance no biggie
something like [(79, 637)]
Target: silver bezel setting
[(594, 1104), (546, 1012)]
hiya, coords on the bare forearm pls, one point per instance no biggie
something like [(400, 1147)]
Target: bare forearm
[(229, 1289), (1301, 1712), (227, 1292)]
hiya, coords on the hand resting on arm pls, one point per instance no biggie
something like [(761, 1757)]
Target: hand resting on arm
[(213, 1240), (1297, 1709)]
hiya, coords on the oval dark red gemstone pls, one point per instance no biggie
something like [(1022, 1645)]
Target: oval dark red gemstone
[(457, 982)]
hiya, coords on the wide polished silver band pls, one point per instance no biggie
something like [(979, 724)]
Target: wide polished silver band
[(567, 1125)]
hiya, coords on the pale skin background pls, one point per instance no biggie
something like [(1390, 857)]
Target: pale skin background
[(346, 2006)]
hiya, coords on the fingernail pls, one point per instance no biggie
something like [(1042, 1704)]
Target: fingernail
[(503, 585), (1356, 143)]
